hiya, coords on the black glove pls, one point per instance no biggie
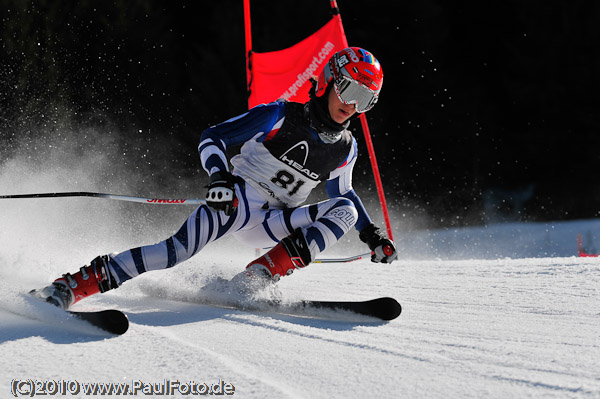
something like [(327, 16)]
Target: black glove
[(221, 192), (384, 249)]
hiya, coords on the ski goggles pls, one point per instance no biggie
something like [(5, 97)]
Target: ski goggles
[(351, 92)]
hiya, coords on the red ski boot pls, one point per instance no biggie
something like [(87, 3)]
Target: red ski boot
[(289, 254), (71, 288)]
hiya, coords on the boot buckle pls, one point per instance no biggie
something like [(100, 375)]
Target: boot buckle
[(70, 280), (84, 273)]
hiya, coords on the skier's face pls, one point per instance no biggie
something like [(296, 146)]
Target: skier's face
[(339, 111)]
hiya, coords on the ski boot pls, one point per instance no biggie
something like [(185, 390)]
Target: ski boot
[(289, 254), (71, 288), (258, 281), (262, 274)]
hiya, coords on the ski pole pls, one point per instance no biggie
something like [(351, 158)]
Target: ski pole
[(386, 250), (161, 201), (342, 260)]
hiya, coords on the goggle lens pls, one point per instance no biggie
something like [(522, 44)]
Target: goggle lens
[(350, 92)]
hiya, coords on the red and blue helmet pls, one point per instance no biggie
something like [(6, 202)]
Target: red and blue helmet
[(357, 78)]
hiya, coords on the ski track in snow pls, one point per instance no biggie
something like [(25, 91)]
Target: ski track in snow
[(472, 328)]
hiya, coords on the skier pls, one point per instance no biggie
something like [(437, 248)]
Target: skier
[(287, 149)]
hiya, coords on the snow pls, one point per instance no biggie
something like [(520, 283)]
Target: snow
[(506, 310), (520, 327)]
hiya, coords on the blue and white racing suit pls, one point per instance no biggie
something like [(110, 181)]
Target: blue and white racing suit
[(281, 160)]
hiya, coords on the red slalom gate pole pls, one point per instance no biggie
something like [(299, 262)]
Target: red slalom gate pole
[(367, 133), (248, 33)]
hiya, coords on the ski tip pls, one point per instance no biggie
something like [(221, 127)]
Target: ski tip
[(387, 308), (111, 320), (119, 322), (384, 308)]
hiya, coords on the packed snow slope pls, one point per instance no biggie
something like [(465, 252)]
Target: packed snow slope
[(522, 327), (504, 311)]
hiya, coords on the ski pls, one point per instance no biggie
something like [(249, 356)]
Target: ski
[(381, 308), (112, 320), (237, 294), (384, 308)]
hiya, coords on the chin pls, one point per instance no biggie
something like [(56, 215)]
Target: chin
[(342, 119)]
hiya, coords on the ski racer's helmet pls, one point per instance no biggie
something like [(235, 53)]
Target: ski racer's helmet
[(357, 78)]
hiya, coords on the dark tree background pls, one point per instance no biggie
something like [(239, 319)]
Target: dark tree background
[(489, 111)]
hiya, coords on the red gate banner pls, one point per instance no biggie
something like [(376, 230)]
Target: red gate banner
[(285, 74)]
